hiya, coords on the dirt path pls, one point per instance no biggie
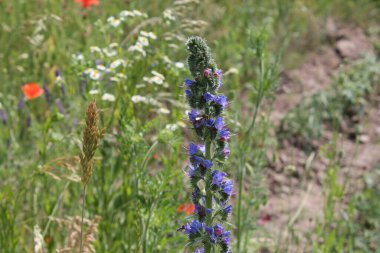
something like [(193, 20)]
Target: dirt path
[(295, 179)]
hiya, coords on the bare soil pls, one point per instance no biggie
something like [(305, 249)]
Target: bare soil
[(296, 179)]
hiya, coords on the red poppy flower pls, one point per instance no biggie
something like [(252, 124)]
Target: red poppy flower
[(187, 208), (87, 3), (32, 90), (264, 219)]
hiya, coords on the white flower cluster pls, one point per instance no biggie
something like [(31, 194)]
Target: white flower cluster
[(146, 100), (157, 78), (106, 96), (142, 41), (116, 21), (109, 51)]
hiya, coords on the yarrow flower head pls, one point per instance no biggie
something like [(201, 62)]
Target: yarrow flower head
[(211, 189)]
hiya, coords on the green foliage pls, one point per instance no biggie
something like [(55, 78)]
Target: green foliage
[(254, 139), (344, 103), (356, 226), (137, 181)]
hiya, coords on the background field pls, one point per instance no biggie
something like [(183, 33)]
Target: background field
[(302, 78)]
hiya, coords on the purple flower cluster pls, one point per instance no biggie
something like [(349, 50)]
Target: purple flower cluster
[(210, 197)]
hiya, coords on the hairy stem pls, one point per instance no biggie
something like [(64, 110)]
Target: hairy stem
[(208, 196), (81, 224)]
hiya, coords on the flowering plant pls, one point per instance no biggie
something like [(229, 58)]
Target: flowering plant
[(211, 188)]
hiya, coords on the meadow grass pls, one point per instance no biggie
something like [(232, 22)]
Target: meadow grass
[(138, 176)]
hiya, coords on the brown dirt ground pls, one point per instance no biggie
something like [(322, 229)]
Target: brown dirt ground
[(299, 190)]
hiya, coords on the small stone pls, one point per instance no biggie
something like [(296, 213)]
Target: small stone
[(363, 138)]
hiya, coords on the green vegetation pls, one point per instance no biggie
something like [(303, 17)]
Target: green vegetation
[(130, 56), (341, 107)]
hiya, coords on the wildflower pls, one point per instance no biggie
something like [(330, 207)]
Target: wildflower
[(4, 116), (218, 73), (156, 79), (94, 92), (109, 52), (194, 227), (218, 230), (226, 237), (207, 72), (199, 250), (137, 13), (187, 208), (168, 14), (227, 187), (188, 93), (94, 74), (264, 219), (217, 177), (209, 122), (155, 73), (28, 120), (117, 63), (188, 82), (101, 67), (202, 211), (193, 115), (143, 41), (227, 210), (221, 100), (196, 160), (206, 116), (148, 35), (137, 99), (113, 21), (208, 97), (218, 124), (32, 91), (87, 3), (125, 14), (210, 231), (193, 149), (171, 127), (207, 164), (94, 49), (137, 47), (21, 102), (60, 107), (78, 58), (163, 111), (121, 75), (108, 97), (113, 45), (224, 134), (47, 94), (226, 152), (179, 65), (57, 73)]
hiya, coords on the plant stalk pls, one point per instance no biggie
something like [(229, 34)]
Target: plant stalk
[(208, 195), (81, 224)]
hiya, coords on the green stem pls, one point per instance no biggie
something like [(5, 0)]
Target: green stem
[(55, 208), (208, 196), (242, 154), (81, 224)]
